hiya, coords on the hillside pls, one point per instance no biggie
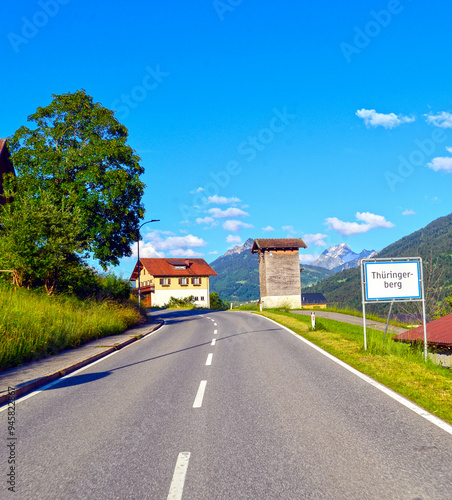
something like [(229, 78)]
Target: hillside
[(238, 274), (433, 243)]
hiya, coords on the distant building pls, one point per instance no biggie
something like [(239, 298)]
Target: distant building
[(439, 333), (311, 300), (279, 271), (439, 339), (6, 166), (161, 279)]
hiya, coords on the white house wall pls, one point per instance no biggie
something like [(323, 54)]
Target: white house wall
[(162, 297)]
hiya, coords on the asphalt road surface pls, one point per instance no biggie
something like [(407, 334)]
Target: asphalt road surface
[(222, 405)]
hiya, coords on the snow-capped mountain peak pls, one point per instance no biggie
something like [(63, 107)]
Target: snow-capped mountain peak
[(338, 255)]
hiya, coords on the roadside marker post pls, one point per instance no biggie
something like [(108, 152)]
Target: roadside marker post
[(393, 280), (313, 320)]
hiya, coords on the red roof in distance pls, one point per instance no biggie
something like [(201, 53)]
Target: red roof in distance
[(172, 267), (439, 332)]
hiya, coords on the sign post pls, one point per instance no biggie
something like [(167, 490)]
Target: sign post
[(393, 280)]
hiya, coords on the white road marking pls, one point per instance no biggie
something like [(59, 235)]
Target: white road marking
[(209, 359), (215, 332), (178, 481), (200, 394), (442, 424), (215, 324), (213, 341)]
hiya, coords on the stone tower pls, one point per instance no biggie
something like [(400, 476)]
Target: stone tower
[(279, 271)]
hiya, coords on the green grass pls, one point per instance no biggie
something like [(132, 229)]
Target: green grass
[(396, 365), (34, 325)]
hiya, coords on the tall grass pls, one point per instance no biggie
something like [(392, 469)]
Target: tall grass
[(34, 325), (397, 365)]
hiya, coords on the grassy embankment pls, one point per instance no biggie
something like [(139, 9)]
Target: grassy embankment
[(33, 325), (394, 364)]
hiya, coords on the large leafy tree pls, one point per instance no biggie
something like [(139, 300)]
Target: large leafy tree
[(77, 150), (39, 239)]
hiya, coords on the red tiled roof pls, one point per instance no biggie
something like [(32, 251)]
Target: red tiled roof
[(166, 267), (282, 243), (439, 332)]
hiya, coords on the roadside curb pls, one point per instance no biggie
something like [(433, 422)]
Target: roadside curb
[(28, 387)]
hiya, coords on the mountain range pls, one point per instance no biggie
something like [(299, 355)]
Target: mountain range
[(238, 274), (335, 272), (433, 244), (339, 257)]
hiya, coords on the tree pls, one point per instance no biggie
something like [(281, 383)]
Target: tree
[(77, 150), (39, 239), (217, 303)]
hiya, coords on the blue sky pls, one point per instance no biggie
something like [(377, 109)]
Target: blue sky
[(318, 120)]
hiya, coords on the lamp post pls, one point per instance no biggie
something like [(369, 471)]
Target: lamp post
[(138, 252)]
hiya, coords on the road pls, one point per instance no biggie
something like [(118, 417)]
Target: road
[(223, 405)]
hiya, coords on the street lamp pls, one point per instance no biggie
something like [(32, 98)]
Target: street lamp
[(138, 251)]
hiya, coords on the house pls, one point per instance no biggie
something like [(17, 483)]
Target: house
[(279, 271), (439, 333), (161, 279), (6, 166), (439, 338), (313, 300)]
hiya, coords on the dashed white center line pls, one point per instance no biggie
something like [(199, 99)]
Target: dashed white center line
[(215, 332), (178, 481), (213, 341), (215, 324), (200, 394), (209, 359)]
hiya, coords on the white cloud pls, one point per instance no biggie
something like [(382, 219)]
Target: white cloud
[(199, 190), (441, 163), (315, 239), (209, 222), (230, 212), (371, 221), (290, 230), (221, 200), (307, 258), (267, 229), (235, 225), (154, 245), (442, 120), (213, 253), (233, 238), (390, 120), (205, 220), (185, 253), (408, 212), (147, 250), (174, 242)]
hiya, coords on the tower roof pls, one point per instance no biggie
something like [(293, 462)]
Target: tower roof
[(262, 244)]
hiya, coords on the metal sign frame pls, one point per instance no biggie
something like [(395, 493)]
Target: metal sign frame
[(418, 298)]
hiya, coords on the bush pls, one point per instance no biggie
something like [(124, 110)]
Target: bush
[(217, 303), (114, 287), (175, 303)]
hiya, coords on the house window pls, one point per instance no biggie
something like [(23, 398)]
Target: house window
[(196, 299), (165, 281), (183, 281), (196, 281), (179, 267), (202, 298)]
